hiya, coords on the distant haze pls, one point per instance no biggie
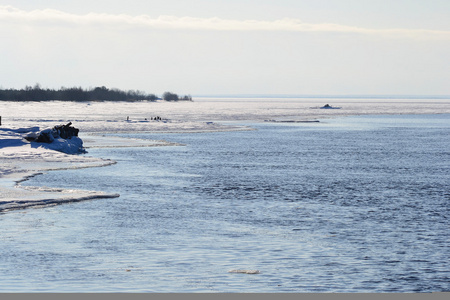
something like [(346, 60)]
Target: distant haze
[(321, 47)]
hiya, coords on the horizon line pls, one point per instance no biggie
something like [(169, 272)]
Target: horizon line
[(368, 96)]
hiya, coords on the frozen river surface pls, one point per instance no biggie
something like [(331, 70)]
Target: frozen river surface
[(354, 204)]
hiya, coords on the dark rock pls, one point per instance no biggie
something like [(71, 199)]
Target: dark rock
[(59, 131), (66, 131), (45, 136)]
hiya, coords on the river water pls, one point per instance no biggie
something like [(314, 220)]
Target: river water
[(355, 204)]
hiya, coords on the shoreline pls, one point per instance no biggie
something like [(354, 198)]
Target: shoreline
[(15, 196), (96, 121), (30, 163)]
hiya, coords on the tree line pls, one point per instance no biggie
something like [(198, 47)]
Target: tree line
[(37, 93), (168, 96)]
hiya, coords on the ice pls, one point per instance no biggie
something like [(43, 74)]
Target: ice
[(20, 158), (245, 271)]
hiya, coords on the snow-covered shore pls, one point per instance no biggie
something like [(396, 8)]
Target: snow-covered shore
[(20, 159)]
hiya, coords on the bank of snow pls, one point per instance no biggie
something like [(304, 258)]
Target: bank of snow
[(73, 145), (18, 137)]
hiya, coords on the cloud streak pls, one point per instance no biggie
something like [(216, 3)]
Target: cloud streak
[(54, 17)]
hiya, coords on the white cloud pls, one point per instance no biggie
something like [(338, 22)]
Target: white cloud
[(217, 55), (51, 17)]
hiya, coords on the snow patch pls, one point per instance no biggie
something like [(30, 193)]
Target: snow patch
[(73, 145), (16, 137)]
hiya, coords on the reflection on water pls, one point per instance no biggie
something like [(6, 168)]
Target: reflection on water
[(357, 204)]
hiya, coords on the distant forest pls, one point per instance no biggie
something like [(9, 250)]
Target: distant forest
[(36, 93)]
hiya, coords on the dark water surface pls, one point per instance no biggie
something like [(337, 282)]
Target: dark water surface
[(358, 204)]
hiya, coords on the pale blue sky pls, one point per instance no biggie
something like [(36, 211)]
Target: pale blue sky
[(229, 47)]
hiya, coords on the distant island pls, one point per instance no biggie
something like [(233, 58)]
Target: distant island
[(37, 93)]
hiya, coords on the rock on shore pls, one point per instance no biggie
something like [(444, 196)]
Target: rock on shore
[(63, 138)]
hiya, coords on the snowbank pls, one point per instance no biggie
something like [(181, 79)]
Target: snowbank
[(63, 138), (73, 145), (11, 137)]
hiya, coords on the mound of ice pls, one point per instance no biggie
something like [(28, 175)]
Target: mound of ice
[(62, 138), (72, 145)]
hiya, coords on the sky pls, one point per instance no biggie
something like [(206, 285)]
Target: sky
[(200, 47)]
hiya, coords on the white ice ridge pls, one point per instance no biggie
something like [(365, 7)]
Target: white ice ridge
[(47, 197)]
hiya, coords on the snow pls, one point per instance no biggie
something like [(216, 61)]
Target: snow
[(20, 159), (72, 145)]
